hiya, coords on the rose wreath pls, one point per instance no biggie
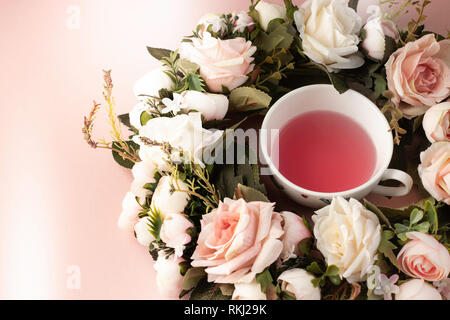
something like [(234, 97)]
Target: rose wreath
[(211, 228)]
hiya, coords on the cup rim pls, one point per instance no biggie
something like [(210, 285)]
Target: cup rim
[(375, 177)]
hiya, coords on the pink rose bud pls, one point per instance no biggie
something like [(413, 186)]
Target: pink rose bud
[(436, 122), (294, 232), (424, 257), (418, 75), (434, 171)]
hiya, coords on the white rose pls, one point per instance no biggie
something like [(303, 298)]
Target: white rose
[(377, 28), (348, 236), (436, 122), (183, 132), (168, 276), (142, 231), (130, 211), (329, 30), (269, 11), (417, 289), (248, 291), (168, 201), (214, 20), (143, 173), (152, 82), (298, 283), (211, 106)]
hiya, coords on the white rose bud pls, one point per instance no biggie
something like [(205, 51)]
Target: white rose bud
[(142, 230), (152, 82), (298, 283), (417, 289), (214, 20), (211, 106), (330, 33), (377, 28), (168, 276), (348, 236), (130, 211), (168, 201), (143, 172), (248, 291), (436, 122), (269, 11)]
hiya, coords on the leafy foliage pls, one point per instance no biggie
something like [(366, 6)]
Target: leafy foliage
[(116, 152), (248, 99)]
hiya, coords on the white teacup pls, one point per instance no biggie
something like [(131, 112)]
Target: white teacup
[(322, 97)]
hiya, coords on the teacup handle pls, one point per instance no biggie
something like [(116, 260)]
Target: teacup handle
[(394, 174)]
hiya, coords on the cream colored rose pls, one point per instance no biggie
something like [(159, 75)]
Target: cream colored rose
[(168, 201), (248, 291), (417, 289), (436, 122), (298, 283), (189, 136), (143, 173), (152, 82), (434, 171), (348, 236), (330, 33), (174, 232), (269, 11)]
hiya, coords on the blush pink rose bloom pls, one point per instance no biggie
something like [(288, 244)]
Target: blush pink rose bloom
[(418, 75), (173, 232), (294, 232), (222, 62), (238, 240), (434, 171), (436, 122), (424, 257)]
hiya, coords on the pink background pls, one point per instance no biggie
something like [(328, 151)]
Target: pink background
[(60, 200)]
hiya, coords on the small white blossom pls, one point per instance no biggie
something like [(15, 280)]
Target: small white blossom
[(387, 287), (174, 105), (242, 21)]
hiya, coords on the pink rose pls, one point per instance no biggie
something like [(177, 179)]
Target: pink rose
[(173, 232), (417, 289), (418, 74), (424, 257), (434, 171), (238, 240), (222, 62), (436, 122), (294, 232)]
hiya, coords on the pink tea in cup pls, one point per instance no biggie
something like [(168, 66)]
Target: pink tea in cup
[(325, 151)]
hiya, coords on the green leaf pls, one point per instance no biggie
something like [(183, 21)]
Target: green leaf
[(265, 280), (380, 85), (390, 48), (159, 53), (422, 227), (314, 268), (338, 82), (188, 67), (432, 217), (370, 206), (125, 119), (335, 279), (192, 277), (248, 99), (279, 35), (155, 219), (126, 163), (195, 82), (416, 216), (145, 117), (386, 247), (290, 9), (226, 289), (250, 194), (332, 270), (304, 246)]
